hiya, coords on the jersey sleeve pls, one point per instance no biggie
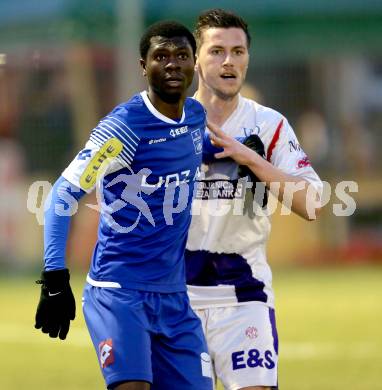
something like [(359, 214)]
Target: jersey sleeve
[(60, 205), (111, 146), (286, 153)]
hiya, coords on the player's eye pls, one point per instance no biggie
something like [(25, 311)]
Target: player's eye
[(239, 52), (183, 56), (159, 57), (216, 52)]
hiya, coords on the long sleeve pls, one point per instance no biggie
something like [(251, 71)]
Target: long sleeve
[(60, 205)]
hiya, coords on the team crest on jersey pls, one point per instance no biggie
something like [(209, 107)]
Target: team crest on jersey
[(106, 354), (251, 332), (197, 140), (249, 131)]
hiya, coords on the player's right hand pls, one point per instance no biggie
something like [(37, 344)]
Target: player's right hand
[(57, 306), (232, 148), (254, 143)]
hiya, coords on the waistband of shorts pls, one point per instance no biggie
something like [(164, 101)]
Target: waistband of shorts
[(135, 285)]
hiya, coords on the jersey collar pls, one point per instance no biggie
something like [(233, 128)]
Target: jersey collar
[(157, 114)]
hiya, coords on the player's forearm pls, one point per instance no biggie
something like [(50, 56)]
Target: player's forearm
[(59, 207), (294, 192), (285, 187)]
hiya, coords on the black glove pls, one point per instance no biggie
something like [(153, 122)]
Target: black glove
[(254, 142), (57, 305)]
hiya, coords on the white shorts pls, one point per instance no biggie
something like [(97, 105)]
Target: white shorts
[(243, 344)]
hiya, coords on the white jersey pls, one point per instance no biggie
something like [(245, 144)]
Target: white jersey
[(226, 250)]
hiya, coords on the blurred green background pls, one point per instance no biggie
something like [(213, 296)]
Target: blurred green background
[(328, 321), (65, 63)]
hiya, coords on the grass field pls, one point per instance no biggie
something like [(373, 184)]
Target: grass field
[(329, 322)]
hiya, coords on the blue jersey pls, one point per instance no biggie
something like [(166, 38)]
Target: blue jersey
[(149, 164)]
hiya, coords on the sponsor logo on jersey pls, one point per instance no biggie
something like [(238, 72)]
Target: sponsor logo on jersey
[(197, 140), (220, 189), (294, 146), (157, 141), (251, 332), (110, 149), (106, 354), (179, 131), (304, 162), (174, 178)]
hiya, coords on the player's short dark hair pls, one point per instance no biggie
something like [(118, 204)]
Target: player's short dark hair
[(166, 29), (219, 18)]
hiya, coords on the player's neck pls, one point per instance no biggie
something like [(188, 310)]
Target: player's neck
[(218, 109), (170, 110)]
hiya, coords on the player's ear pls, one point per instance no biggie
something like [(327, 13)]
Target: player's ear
[(196, 63), (142, 62)]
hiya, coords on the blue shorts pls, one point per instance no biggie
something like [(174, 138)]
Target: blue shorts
[(147, 336)]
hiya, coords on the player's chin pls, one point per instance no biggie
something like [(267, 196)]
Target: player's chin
[(233, 89), (236, 85), (227, 93)]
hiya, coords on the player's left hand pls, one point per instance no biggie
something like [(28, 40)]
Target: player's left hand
[(57, 306), (232, 148)]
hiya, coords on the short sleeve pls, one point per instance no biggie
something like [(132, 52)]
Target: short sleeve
[(286, 153)]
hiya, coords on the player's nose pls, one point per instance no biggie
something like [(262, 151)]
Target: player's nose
[(228, 60), (173, 63)]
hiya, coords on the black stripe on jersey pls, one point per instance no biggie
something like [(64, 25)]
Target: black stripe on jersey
[(204, 268)]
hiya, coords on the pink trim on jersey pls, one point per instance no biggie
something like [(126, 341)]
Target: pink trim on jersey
[(275, 138)]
